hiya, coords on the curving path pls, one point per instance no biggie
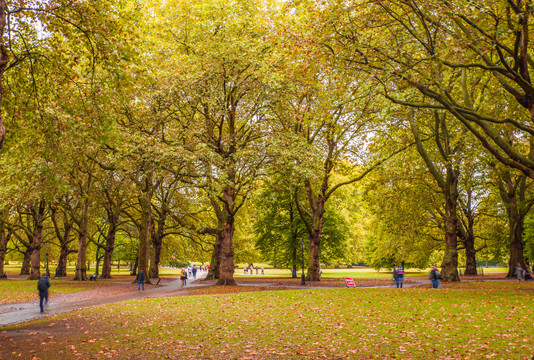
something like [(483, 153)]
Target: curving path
[(11, 314)]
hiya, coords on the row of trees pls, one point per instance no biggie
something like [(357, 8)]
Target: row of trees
[(401, 131)]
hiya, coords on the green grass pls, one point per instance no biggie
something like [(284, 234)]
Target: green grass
[(485, 320)]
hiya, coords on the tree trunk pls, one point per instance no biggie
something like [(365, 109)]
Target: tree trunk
[(4, 239), (145, 227), (4, 59), (81, 269), (470, 256), (26, 261), (213, 272), (315, 240), (157, 242), (516, 244), (226, 270), (38, 218), (449, 266), (294, 263), (134, 267), (512, 191), (61, 269), (113, 220)]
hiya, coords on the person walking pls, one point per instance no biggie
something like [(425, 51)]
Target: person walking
[(519, 271), (42, 285), (435, 277), (400, 276), (183, 277), (140, 280), (262, 270)]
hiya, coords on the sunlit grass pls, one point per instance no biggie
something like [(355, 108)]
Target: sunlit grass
[(493, 321)]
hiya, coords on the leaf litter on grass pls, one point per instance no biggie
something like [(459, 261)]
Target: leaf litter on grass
[(453, 323)]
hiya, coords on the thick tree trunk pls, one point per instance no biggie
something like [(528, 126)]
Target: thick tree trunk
[(4, 239), (315, 240), (213, 272), (61, 270), (26, 261), (470, 256), (469, 240), (4, 59), (449, 266), (145, 227), (38, 218), (157, 242), (81, 269), (226, 270), (110, 245), (516, 244), (512, 191)]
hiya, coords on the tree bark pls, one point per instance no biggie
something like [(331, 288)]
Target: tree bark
[(157, 242), (512, 193), (226, 258), (315, 243), (449, 266), (81, 269), (213, 272), (4, 59), (26, 261), (4, 239), (38, 212), (113, 220), (145, 228), (467, 236), (226, 270), (63, 236)]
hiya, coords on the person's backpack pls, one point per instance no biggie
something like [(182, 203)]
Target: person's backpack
[(41, 285)]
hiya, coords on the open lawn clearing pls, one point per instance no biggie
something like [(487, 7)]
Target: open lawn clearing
[(488, 320)]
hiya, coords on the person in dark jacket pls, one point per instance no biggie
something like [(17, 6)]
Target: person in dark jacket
[(140, 280), (42, 285)]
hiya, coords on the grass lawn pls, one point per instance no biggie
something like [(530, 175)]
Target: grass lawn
[(466, 321)]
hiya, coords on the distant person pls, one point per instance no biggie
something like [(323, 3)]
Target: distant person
[(93, 277), (519, 271), (262, 270), (194, 272), (320, 272), (399, 276), (528, 274), (435, 277), (140, 280), (257, 269), (3, 276), (42, 285), (245, 270), (183, 277)]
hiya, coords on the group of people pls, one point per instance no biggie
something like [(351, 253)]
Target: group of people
[(250, 268), (398, 276), (524, 273)]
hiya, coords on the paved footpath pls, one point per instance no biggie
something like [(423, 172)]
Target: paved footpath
[(11, 314)]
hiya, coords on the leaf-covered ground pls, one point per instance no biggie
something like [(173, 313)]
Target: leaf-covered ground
[(466, 321)]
